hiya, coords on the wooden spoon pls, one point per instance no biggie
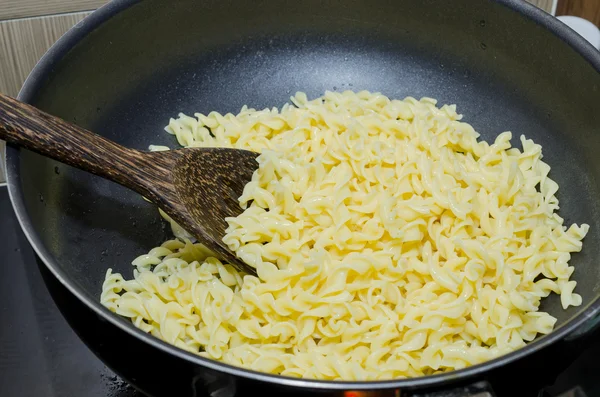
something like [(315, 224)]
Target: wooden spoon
[(197, 187)]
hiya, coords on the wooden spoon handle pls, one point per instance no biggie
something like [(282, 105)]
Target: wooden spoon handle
[(24, 125)]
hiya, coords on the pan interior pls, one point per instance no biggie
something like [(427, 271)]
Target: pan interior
[(129, 75)]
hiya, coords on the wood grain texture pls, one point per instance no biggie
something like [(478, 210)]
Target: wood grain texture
[(10, 9), (545, 5), (209, 183), (587, 9), (198, 188), (24, 41), (22, 44)]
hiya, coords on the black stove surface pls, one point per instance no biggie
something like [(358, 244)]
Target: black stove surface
[(41, 356)]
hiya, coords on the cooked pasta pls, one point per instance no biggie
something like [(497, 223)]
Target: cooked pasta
[(388, 240)]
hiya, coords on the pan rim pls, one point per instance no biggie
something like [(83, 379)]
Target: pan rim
[(102, 14)]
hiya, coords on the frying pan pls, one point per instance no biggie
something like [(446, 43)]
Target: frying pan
[(131, 65)]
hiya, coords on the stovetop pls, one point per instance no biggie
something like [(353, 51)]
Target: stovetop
[(41, 356)]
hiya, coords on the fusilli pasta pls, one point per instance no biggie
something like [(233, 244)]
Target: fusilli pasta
[(388, 240)]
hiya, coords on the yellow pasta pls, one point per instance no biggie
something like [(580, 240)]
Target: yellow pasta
[(389, 242)]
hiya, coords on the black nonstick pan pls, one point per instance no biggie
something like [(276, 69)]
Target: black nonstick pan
[(131, 65)]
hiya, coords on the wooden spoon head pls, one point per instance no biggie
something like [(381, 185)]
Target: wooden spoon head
[(209, 182), (198, 188)]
